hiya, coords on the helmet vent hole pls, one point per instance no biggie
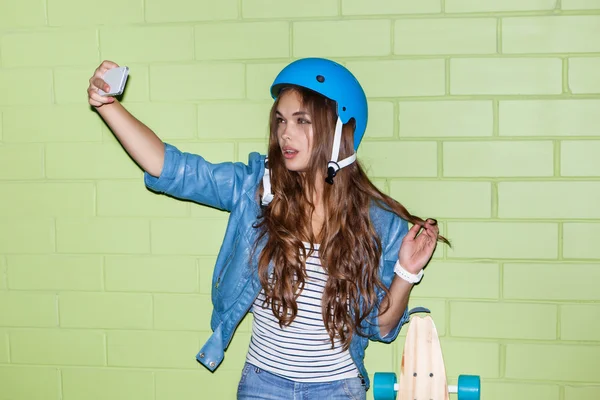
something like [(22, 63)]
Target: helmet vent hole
[(343, 108), (320, 78)]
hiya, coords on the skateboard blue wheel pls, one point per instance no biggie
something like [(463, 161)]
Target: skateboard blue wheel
[(469, 387), (383, 386)]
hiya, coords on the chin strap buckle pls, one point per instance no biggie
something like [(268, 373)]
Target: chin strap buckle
[(332, 169)]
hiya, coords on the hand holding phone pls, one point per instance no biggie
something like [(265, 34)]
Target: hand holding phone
[(116, 79)]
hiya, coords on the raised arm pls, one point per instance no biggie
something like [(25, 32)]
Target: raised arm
[(137, 139)]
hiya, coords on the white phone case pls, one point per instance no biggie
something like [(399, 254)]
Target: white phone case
[(115, 78)]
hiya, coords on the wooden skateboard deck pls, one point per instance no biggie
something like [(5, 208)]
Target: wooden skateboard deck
[(422, 371)]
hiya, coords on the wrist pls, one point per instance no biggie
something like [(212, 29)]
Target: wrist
[(406, 275)]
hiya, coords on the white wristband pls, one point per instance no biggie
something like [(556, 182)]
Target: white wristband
[(407, 276)]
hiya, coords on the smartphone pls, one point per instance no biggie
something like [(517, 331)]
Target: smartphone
[(115, 78)]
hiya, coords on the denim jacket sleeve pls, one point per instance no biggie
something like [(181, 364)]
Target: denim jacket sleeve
[(190, 177), (396, 231)]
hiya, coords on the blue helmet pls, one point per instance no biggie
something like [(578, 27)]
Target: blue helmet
[(333, 81)]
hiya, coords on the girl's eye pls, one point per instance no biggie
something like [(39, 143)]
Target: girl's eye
[(303, 121), (279, 120)]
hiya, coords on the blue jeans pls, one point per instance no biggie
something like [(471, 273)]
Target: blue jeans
[(257, 384)]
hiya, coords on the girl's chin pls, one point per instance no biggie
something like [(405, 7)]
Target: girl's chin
[(294, 166)]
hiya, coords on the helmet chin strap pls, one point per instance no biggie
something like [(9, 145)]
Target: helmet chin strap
[(333, 166)]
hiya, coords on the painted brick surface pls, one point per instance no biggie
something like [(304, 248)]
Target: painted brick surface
[(445, 36), (242, 40), (342, 38), (482, 114), (446, 118)]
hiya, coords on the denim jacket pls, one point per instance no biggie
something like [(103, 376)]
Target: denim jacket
[(232, 187)]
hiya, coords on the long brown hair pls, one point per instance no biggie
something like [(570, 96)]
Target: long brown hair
[(350, 248)]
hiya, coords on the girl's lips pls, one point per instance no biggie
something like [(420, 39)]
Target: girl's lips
[(289, 153)]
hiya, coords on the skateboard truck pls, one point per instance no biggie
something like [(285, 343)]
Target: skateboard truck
[(385, 387)]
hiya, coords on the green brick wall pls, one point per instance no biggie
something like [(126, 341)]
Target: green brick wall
[(484, 114)]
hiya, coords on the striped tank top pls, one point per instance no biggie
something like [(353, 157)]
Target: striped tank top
[(301, 351)]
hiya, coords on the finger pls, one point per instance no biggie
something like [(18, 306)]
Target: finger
[(100, 84), (413, 232), (94, 95), (106, 65)]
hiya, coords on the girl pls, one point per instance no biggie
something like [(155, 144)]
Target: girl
[(313, 249)]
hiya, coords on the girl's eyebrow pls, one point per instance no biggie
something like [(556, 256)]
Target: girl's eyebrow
[(294, 114)]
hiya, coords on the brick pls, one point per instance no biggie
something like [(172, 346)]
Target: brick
[(342, 38), (504, 320), (518, 277), (246, 120), (54, 272), (185, 385), (153, 349), (245, 148), (454, 280), (184, 11), (244, 40), (471, 358), (103, 235), (259, 78), (464, 6), (147, 44), (151, 274), (21, 162), (25, 86), (548, 199), (26, 235), (506, 76), (69, 12), (358, 7), (490, 159), (57, 347), (205, 273), (579, 239), (49, 124), (89, 161), (399, 159), (169, 310), (101, 384), (582, 393), (555, 34), (584, 75), (288, 8), (446, 118), (52, 48), (168, 121), (578, 158), (236, 352), (105, 310), (212, 152), (379, 358), (579, 5), (446, 199), (549, 118), (388, 78), (381, 120), (4, 351), (28, 309), (187, 236), (520, 391), (132, 199), (552, 362), (197, 82), (22, 14), (46, 199), (3, 273), (519, 240), (445, 36), (31, 383), (71, 85), (580, 322)]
